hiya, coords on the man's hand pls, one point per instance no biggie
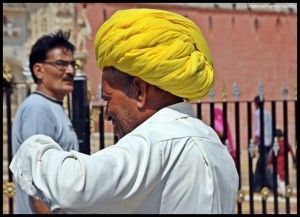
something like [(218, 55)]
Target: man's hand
[(39, 206)]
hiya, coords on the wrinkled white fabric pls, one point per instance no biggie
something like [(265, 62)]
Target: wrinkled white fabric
[(171, 163)]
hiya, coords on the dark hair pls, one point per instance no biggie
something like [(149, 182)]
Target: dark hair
[(126, 79), (46, 43), (279, 133), (257, 100)]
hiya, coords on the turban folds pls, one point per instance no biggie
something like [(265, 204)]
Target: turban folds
[(162, 48)]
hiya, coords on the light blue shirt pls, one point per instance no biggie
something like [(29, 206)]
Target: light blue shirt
[(39, 114)]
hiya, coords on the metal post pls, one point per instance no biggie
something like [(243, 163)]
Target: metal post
[(264, 206), (199, 110), (9, 143), (237, 138), (262, 151), (28, 89), (225, 134), (101, 127), (212, 114), (297, 155), (69, 105), (9, 186), (115, 139), (211, 95), (275, 172), (81, 113), (250, 155), (286, 150)]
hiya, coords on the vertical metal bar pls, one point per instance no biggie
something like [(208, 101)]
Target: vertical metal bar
[(286, 149), (101, 127), (264, 206), (69, 105), (296, 144), (212, 114), (250, 166), (115, 139), (262, 151), (80, 113), (28, 89), (237, 139), (225, 133), (275, 172), (199, 110), (9, 144)]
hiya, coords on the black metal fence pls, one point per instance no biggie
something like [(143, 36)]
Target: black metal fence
[(237, 113), (248, 143)]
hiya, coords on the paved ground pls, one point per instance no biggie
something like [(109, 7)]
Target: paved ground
[(244, 183)]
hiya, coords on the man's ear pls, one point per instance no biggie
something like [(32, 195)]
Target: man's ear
[(141, 91), (38, 71)]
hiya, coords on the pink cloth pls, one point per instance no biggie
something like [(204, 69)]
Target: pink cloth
[(218, 122)]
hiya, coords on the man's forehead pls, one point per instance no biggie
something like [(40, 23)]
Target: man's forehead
[(59, 51)]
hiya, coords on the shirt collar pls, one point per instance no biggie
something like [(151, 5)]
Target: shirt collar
[(48, 97), (170, 113), (182, 107)]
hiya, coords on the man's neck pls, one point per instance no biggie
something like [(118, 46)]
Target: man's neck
[(48, 93)]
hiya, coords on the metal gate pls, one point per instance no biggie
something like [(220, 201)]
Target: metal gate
[(240, 115)]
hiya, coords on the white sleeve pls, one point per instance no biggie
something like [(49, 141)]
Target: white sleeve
[(79, 183)]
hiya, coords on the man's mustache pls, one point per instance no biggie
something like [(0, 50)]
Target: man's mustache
[(68, 78)]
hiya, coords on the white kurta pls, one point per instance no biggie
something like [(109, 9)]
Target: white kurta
[(171, 163)]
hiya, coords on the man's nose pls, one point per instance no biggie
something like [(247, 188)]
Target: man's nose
[(70, 69)]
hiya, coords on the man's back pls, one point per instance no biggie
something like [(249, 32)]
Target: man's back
[(198, 173)]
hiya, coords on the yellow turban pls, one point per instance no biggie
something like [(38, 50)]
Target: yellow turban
[(160, 47)]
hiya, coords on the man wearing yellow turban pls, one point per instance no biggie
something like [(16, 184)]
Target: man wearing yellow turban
[(166, 160)]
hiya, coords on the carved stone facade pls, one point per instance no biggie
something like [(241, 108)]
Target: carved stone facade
[(49, 19), (24, 23)]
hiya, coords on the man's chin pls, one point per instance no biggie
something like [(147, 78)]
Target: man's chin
[(68, 89)]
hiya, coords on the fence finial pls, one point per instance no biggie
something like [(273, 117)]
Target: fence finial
[(285, 91), (79, 66), (7, 72), (224, 92), (9, 189), (288, 191), (236, 91), (265, 193), (261, 91), (241, 196)]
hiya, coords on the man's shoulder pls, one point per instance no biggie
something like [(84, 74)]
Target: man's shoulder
[(33, 103), (180, 128)]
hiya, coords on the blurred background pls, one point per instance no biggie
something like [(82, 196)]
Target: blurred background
[(254, 50)]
